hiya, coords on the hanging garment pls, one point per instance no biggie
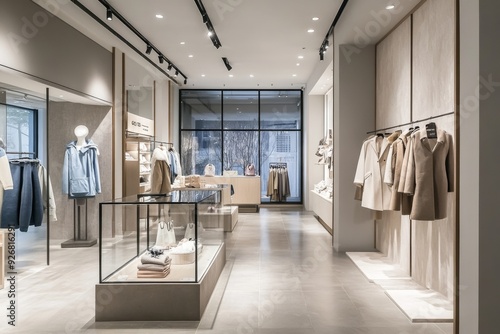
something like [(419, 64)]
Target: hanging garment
[(394, 167), (370, 171), (22, 205), (430, 175), (159, 153), (80, 177), (46, 186), (5, 176), (174, 167), (278, 184), (160, 179)]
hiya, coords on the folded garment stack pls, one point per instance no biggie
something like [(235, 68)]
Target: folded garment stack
[(154, 264)]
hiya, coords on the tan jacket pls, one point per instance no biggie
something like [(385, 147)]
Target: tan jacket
[(430, 175), (160, 180), (393, 174)]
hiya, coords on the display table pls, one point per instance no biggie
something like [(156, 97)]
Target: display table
[(247, 194), (171, 290)]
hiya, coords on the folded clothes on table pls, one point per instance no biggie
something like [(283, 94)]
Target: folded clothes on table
[(154, 267), (149, 258)]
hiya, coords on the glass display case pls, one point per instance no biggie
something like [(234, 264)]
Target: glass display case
[(152, 247)]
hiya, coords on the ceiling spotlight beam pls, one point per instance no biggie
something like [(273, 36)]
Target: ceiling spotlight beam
[(226, 62), (326, 43), (206, 20)]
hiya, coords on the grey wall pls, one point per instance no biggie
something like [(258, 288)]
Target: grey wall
[(354, 116), (63, 118), (38, 44)]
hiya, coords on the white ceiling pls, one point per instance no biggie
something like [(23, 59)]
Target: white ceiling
[(259, 37)]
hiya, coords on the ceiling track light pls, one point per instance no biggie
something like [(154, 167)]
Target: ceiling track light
[(169, 67), (206, 20), (226, 62), (326, 42), (176, 73), (109, 14), (185, 81)]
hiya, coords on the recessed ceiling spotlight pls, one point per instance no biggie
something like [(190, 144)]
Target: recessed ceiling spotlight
[(230, 75), (190, 56), (159, 16), (203, 75), (300, 57), (251, 75), (61, 95), (390, 7), (210, 34), (298, 64), (315, 18), (182, 43), (294, 75), (310, 30)]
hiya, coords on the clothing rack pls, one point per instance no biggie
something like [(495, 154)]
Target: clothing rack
[(278, 165), (410, 123)]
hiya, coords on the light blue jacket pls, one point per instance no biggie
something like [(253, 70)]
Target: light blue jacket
[(81, 171)]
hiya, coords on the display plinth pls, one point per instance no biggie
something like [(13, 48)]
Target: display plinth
[(417, 302), (225, 217), (173, 301), (78, 243)]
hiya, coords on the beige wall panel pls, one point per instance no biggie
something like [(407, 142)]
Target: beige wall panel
[(394, 77), (433, 243), (63, 118), (433, 59), (393, 238)]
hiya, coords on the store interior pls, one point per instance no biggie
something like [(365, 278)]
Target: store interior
[(313, 191)]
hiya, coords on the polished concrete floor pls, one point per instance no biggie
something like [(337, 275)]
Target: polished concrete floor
[(281, 277)]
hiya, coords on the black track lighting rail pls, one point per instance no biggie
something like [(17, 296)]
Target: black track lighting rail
[(149, 46), (206, 20), (326, 43)]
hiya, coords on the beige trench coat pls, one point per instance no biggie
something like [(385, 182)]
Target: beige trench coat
[(430, 175), (370, 172)]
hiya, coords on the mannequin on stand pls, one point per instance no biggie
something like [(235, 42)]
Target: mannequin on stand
[(80, 180)]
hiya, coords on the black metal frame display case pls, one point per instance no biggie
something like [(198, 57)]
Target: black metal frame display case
[(166, 229)]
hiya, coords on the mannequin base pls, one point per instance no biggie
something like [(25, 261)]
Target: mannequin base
[(78, 243)]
